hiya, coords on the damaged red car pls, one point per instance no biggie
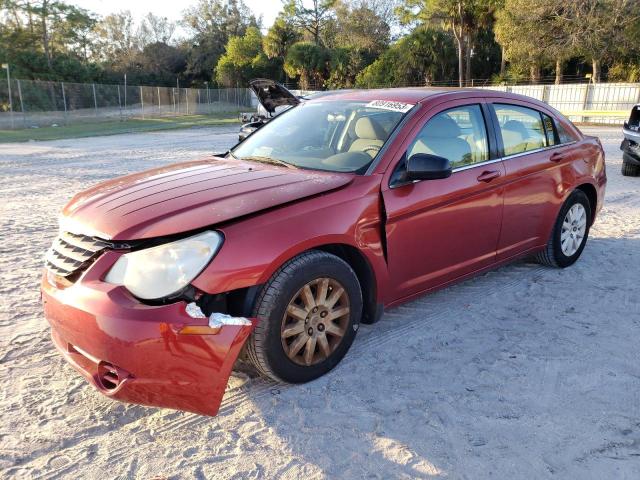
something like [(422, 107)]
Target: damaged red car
[(274, 253)]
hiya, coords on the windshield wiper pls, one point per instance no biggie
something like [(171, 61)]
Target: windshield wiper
[(272, 161)]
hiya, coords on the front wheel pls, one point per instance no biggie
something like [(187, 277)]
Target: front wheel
[(570, 232), (308, 314)]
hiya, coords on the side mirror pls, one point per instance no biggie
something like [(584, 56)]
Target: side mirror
[(423, 166), (625, 125)]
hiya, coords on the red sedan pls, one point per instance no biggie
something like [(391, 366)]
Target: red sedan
[(275, 252)]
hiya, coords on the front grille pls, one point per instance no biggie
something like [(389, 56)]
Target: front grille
[(71, 253)]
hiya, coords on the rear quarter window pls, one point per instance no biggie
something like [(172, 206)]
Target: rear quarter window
[(564, 135)]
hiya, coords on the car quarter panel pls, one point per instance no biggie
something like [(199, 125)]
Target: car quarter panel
[(255, 247)]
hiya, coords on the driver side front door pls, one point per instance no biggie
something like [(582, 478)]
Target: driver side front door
[(440, 230)]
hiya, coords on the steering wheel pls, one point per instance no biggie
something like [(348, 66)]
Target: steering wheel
[(371, 148)]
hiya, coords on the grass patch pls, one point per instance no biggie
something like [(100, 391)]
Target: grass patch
[(93, 129)]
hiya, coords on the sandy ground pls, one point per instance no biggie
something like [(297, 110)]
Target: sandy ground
[(525, 372)]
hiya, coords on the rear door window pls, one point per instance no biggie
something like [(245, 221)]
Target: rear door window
[(521, 128)]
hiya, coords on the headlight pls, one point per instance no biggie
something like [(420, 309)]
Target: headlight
[(161, 271)]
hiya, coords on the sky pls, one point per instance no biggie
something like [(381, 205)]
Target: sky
[(172, 9)]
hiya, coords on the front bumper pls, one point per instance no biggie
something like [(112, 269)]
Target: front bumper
[(633, 135), (133, 352), (630, 150)]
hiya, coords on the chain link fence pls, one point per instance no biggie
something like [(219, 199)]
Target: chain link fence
[(35, 103)]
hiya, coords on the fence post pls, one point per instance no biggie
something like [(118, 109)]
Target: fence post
[(119, 103), (95, 100), (186, 97), (125, 96), (64, 102), (585, 100), (141, 102), (24, 117), (159, 107)]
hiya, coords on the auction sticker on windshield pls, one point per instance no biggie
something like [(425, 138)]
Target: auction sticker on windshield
[(392, 106)]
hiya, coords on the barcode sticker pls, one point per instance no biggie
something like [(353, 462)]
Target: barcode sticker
[(389, 105)]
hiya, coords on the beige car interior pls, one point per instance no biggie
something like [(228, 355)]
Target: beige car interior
[(370, 137), (517, 138), (443, 137)]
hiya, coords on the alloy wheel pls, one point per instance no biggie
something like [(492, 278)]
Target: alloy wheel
[(315, 321)]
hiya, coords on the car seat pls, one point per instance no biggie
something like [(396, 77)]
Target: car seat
[(442, 137), (370, 137)]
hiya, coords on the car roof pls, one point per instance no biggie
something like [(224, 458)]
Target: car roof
[(416, 95)]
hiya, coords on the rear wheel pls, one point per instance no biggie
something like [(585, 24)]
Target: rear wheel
[(570, 232), (630, 170), (308, 315)]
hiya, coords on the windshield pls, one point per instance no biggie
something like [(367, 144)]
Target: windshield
[(329, 135)]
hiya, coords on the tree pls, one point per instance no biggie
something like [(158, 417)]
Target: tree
[(117, 43), (314, 19), (308, 61), (519, 22), (597, 28), (424, 56), (154, 29), (280, 37), (359, 27), (212, 23), (243, 60), (463, 18)]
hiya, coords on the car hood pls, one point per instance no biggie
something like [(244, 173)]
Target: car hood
[(188, 196), (271, 94)]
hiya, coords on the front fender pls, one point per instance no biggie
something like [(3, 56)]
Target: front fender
[(256, 247)]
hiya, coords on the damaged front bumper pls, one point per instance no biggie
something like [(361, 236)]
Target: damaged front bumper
[(150, 355)]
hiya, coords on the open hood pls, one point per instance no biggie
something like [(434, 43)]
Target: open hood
[(271, 94), (188, 196)]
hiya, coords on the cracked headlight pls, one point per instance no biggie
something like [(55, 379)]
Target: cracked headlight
[(158, 272)]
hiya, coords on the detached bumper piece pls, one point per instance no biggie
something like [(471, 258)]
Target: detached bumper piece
[(136, 353)]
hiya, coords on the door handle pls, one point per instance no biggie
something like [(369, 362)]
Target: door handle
[(488, 176), (557, 157)]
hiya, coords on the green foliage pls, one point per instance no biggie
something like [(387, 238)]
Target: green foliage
[(280, 37), (212, 23), (311, 17), (309, 62), (243, 60), (424, 56)]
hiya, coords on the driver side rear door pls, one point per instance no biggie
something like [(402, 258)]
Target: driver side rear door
[(440, 230)]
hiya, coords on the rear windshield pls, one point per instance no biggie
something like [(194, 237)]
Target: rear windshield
[(329, 135)]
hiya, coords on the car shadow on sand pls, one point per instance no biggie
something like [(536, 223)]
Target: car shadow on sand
[(507, 373)]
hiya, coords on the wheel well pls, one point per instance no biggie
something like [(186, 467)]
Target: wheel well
[(591, 193), (371, 310)]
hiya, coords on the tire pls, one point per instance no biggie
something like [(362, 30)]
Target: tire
[(553, 254), (630, 170), (267, 348)]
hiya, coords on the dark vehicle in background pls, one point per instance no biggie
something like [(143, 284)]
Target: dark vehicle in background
[(631, 144), (273, 99)]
